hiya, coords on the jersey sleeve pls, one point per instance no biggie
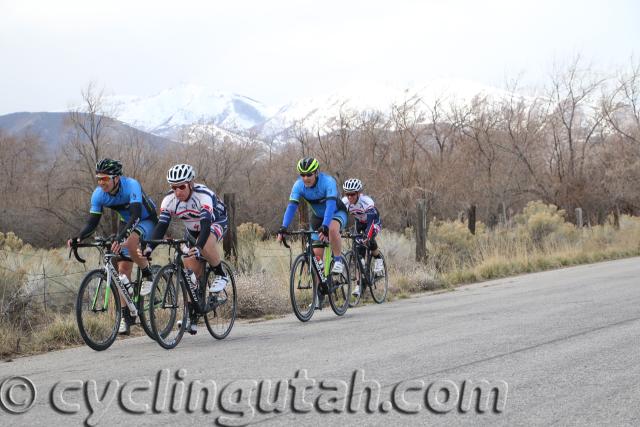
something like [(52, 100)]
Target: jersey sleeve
[(135, 191), (296, 191), (96, 202), (165, 213), (331, 188)]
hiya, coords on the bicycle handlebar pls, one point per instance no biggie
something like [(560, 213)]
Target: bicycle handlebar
[(100, 242)]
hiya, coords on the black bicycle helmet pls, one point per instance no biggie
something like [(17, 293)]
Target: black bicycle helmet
[(109, 167)]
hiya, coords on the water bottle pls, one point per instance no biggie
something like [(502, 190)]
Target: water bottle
[(127, 284)]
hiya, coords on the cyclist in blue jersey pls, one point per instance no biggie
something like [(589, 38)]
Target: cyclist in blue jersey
[(137, 214), (328, 213)]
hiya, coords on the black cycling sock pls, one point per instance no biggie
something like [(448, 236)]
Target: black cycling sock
[(218, 270), (146, 272)]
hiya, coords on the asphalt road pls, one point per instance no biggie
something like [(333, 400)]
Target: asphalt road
[(558, 347)]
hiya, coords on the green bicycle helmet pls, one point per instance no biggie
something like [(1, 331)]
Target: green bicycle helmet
[(308, 165)]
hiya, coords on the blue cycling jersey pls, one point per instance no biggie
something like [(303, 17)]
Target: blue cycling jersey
[(130, 191), (322, 198)]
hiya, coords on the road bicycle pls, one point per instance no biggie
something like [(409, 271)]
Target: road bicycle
[(172, 289), (359, 260), (98, 307), (311, 280)]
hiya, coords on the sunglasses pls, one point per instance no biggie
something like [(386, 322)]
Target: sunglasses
[(103, 179), (306, 175), (350, 194), (178, 187)]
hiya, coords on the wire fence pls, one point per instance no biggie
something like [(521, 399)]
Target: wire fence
[(32, 277)]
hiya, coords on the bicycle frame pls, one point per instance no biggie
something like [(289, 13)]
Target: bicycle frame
[(355, 247), (197, 294), (104, 245), (322, 273)]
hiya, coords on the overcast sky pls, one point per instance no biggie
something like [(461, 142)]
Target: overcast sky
[(277, 51)]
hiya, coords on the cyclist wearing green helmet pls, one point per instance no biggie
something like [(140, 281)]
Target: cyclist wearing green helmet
[(329, 214)]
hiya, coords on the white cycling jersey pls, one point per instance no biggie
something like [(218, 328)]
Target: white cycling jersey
[(203, 203), (361, 208)]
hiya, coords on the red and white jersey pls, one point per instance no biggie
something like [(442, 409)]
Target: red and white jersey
[(202, 204), (361, 208)]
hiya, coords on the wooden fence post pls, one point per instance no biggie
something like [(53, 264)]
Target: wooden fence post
[(579, 223), (472, 219), (422, 225), (616, 217), (230, 242)]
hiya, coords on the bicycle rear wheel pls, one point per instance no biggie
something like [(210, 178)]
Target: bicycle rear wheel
[(379, 284), (302, 289), (168, 314), (143, 307), (339, 286), (221, 318), (354, 273), (98, 310)]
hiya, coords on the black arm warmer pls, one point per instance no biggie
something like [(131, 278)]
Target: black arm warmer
[(135, 211), (205, 230), (90, 226), (158, 233)]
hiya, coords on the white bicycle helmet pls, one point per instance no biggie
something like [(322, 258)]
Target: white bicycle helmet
[(181, 173), (352, 185)]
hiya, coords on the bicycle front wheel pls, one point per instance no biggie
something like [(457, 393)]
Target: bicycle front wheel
[(168, 313), (143, 307), (302, 289), (221, 317), (98, 310), (339, 290), (354, 274), (379, 282)]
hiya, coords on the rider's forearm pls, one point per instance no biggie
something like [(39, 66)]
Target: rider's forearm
[(205, 231), (135, 212), (289, 213), (158, 232), (90, 226), (329, 210)]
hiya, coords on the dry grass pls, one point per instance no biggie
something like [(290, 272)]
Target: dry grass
[(538, 239)]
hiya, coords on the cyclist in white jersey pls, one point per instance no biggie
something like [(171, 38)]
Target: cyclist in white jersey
[(367, 220), (205, 219)]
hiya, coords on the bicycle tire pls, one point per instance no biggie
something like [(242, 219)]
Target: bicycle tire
[(379, 284), (354, 274), (220, 320), (170, 291), (97, 331), (302, 288), (340, 290), (143, 306)]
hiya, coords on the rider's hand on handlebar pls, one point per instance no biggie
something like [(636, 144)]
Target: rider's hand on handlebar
[(73, 240), (281, 232), (116, 246), (324, 233), (194, 251)]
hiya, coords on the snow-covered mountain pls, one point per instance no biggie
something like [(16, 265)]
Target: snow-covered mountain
[(169, 111), (191, 110)]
